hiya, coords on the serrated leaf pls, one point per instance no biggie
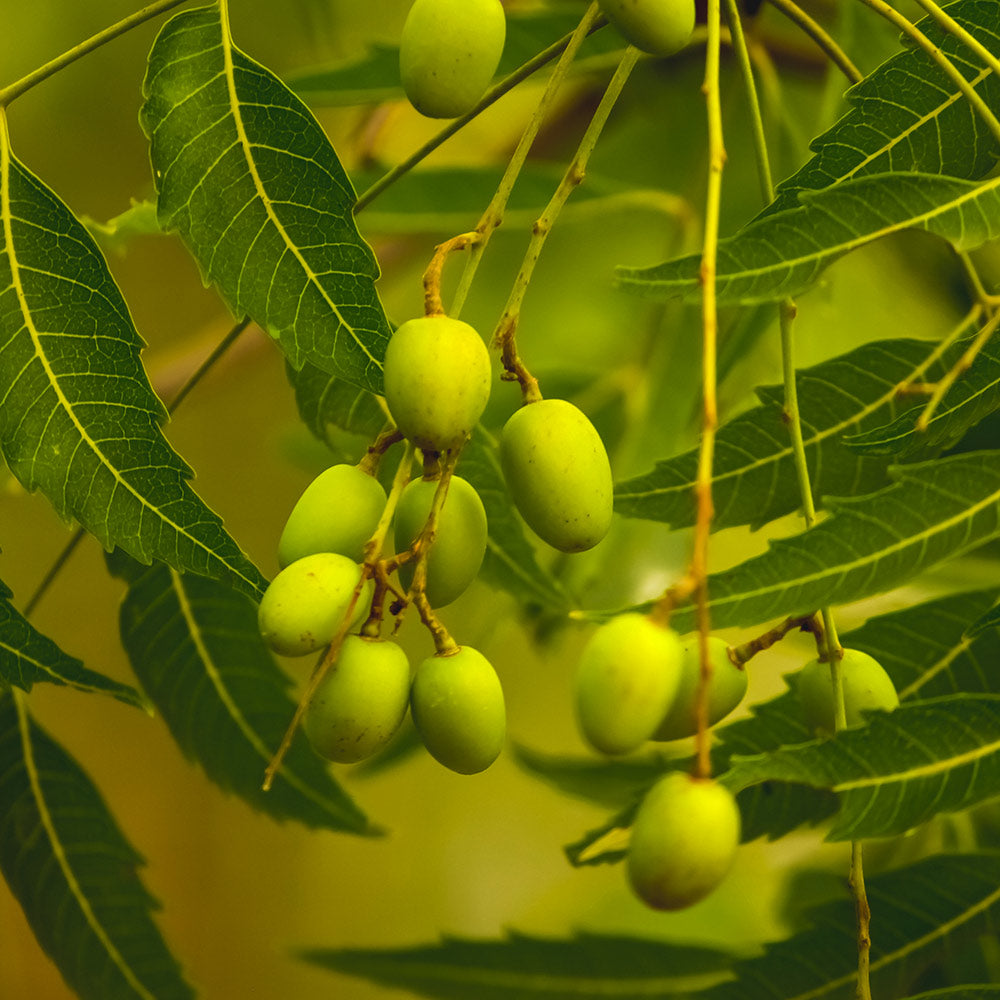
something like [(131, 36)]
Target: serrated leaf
[(907, 115), (584, 967), (784, 254), (934, 511), (247, 176), (901, 769), (74, 873), (28, 657), (78, 418), (326, 402), (194, 646), (754, 478), (922, 909)]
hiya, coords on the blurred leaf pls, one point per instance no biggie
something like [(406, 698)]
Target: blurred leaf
[(78, 418), (784, 254), (247, 176), (194, 645), (518, 967), (326, 402), (989, 621), (773, 809), (754, 479), (27, 657), (74, 873), (960, 993), (115, 234), (901, 769)]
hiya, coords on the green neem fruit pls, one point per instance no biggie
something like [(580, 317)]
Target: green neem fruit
[(459, 544), (448, 53), (558, 474), (625, 682), (458, 709), (304, 606), (361, 701), (660, 27), (437, 381), (725, 690), (866, 687), (684, 840), (338, 512)]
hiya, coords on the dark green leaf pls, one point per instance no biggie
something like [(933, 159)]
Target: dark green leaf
[(78, 418), (247, 176), (74, 873), (990, 621), (326, 402), (194, 645), (960, 993)]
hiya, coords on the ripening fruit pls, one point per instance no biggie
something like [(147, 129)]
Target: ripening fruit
[(338, 512), (458, 709), (437, 381), (361, 701), (725, 690), (659, 27), (558, 474), (866, 686), (448, 53), (459, 544), (304, 606), (626, 681), (684, 841)]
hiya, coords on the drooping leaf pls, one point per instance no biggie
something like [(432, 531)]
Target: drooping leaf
[(901, 769), (247, 176), (754, 479), (518, 967), (78, 418), (74, 873), (195, 648), (784, 254), (326, 402), (908, 116), (27, 657)]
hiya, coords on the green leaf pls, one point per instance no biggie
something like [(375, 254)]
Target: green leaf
[(935, 511), (902, 769), (584, 967), (784, 254), (960, 993), (326, 402), (74, 873), (989, 622), (907, 115), (754, 479), (27, 657), (78, 418), (247, 176), (117, 233), (194, 646)]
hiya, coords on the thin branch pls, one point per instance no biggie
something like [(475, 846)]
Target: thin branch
[(821, 37)]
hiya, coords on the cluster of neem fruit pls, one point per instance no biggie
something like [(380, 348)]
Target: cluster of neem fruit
[(450, 49)]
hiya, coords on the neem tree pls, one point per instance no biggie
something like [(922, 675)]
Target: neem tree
[(891, 727)]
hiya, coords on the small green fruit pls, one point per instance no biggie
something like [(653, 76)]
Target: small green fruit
[(684, 841), (338, 512), (659, 27), (626, 681), (458, 708), (866, 687), (448, 53), (558, 474), (361, 701), (437, 381), (459, 545), (725, 690), (304, 606)]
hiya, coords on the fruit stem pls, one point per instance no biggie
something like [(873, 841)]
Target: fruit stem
[(372, 458), (819, 35), (741, 655), (432, 276), (856, 880)]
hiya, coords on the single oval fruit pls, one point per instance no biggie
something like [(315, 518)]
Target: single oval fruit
[(304, 606), (866, 687), (726, 690), (338, 512), (659, 27), (437, 381), (458, 708), (448, 53), (361, 701), (684, 841), (626, 681), (558, 474), (459, 544)]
